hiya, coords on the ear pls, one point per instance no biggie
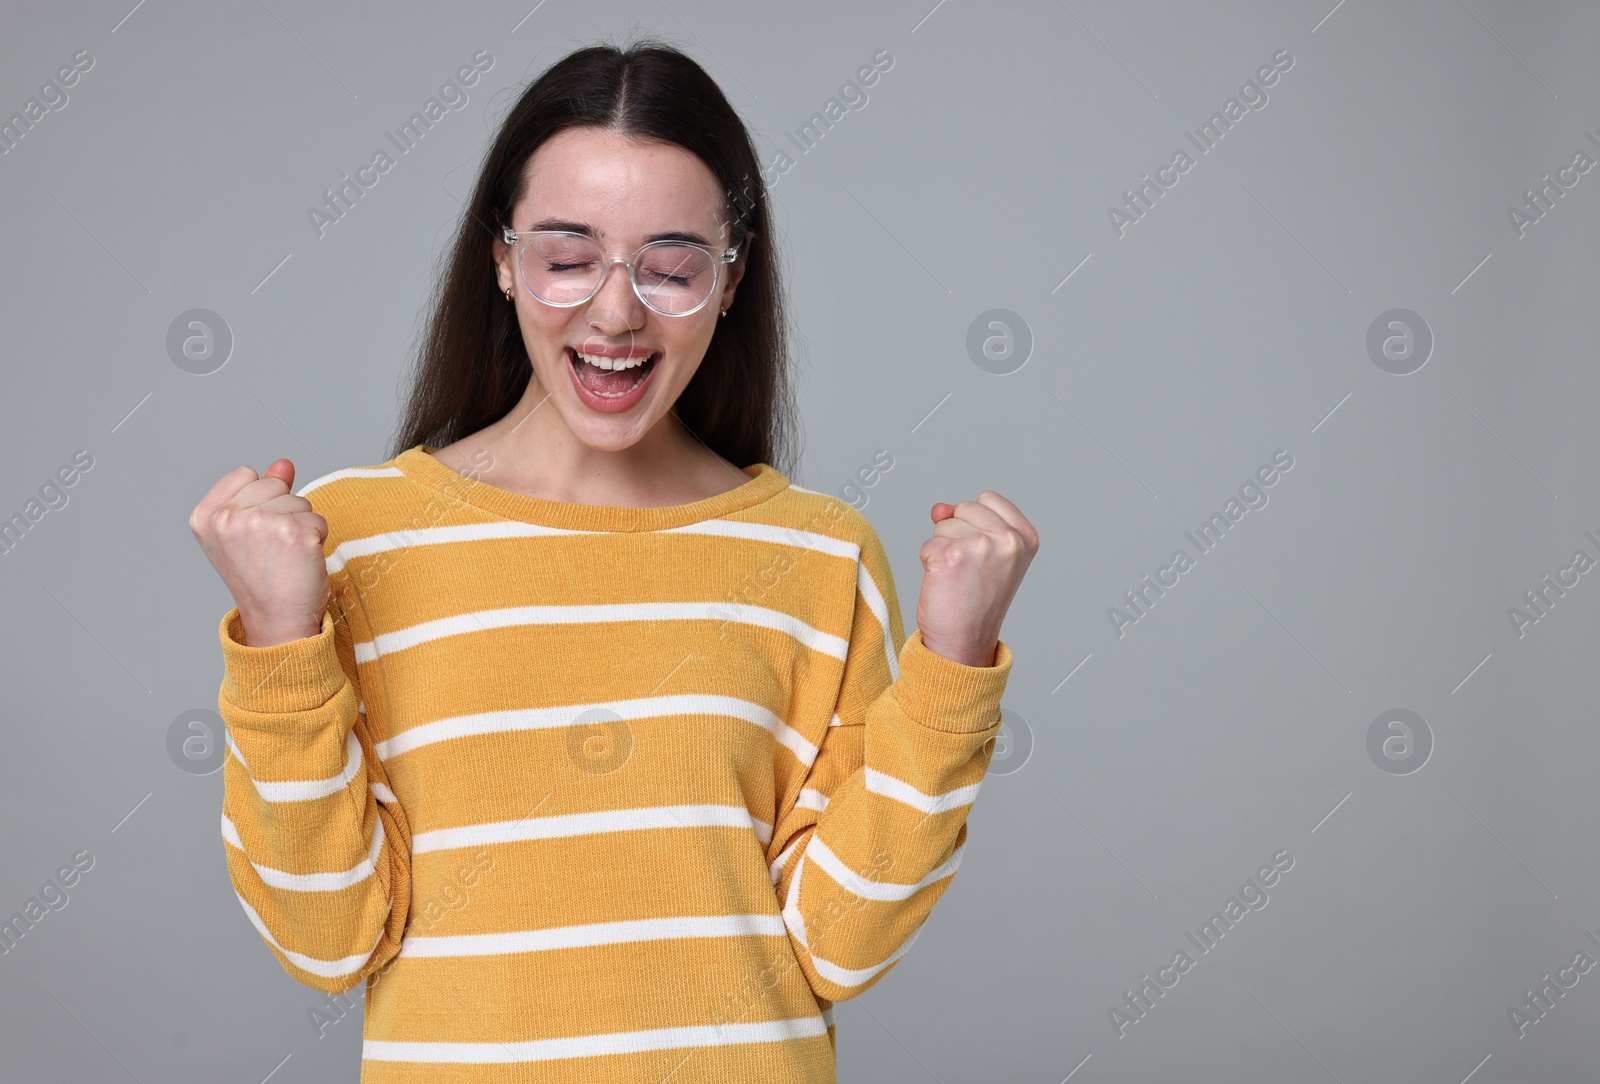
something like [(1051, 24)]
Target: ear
[(501, 253), (735, 273)]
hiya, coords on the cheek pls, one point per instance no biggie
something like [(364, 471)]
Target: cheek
[(544, 330), (687, 346)]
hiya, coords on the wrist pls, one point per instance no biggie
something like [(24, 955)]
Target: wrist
[(966, 653), (259, 632)]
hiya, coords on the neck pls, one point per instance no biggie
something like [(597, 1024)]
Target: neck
[(533, 451)]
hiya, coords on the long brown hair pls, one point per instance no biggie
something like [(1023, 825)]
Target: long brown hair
[(471, 367)]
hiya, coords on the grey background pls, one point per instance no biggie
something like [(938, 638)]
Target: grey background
[(1228, 724)]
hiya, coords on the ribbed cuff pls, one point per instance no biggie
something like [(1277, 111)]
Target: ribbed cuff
[(295, 676), (946, 695)]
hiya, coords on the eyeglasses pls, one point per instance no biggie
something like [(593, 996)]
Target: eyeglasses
[(674, 278)]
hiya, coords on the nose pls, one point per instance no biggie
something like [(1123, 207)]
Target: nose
[(615, 307)]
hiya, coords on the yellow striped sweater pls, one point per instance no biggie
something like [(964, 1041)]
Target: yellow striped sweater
[(597, 793)]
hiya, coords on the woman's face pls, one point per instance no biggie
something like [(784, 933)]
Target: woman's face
[(623, 193)]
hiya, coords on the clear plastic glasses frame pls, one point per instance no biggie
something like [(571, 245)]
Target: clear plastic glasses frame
[(719, 257)]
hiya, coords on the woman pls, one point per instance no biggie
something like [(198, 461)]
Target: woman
[(590, 743)]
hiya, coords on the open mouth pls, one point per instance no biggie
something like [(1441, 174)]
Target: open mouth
[(610, 378)]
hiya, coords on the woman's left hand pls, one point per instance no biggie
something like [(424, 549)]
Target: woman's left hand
[(972, 567)]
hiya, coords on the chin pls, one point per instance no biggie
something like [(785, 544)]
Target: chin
[(614, 433)]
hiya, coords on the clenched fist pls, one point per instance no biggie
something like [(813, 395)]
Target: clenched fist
[(972, 567), (266, 544)]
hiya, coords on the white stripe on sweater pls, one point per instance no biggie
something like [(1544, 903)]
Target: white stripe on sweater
[(351, 472), (845, 976), (776, 869), (645, 707), (582, 824), (792, 918), (371, 545), (791, 904), (851, 881), (597, 933), (869, 591), (774, 533), (586, 1046), (346, 552), (328, 969), (310, 882), (388, 643), (307, 790), (901, 791), (811, 798)]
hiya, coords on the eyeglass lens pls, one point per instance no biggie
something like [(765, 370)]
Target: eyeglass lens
[(671, 278)]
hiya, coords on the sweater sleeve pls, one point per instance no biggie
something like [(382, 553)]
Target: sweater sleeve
[(318, 848), (876, 831)]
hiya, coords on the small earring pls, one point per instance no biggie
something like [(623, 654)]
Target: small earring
[(508, 293), (724, 312)]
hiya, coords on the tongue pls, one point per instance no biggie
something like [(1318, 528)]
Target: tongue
[(607, 381)]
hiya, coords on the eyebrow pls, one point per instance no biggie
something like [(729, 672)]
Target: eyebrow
[(589, 231)]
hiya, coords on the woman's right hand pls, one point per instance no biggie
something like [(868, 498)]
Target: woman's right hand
[(266, 544)]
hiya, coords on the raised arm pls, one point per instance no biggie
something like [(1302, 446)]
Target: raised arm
[(876, 832), (317, 846)]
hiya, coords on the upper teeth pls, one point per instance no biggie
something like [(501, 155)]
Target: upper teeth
[(600, 361)]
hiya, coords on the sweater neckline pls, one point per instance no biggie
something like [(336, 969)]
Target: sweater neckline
[(418, 464)]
